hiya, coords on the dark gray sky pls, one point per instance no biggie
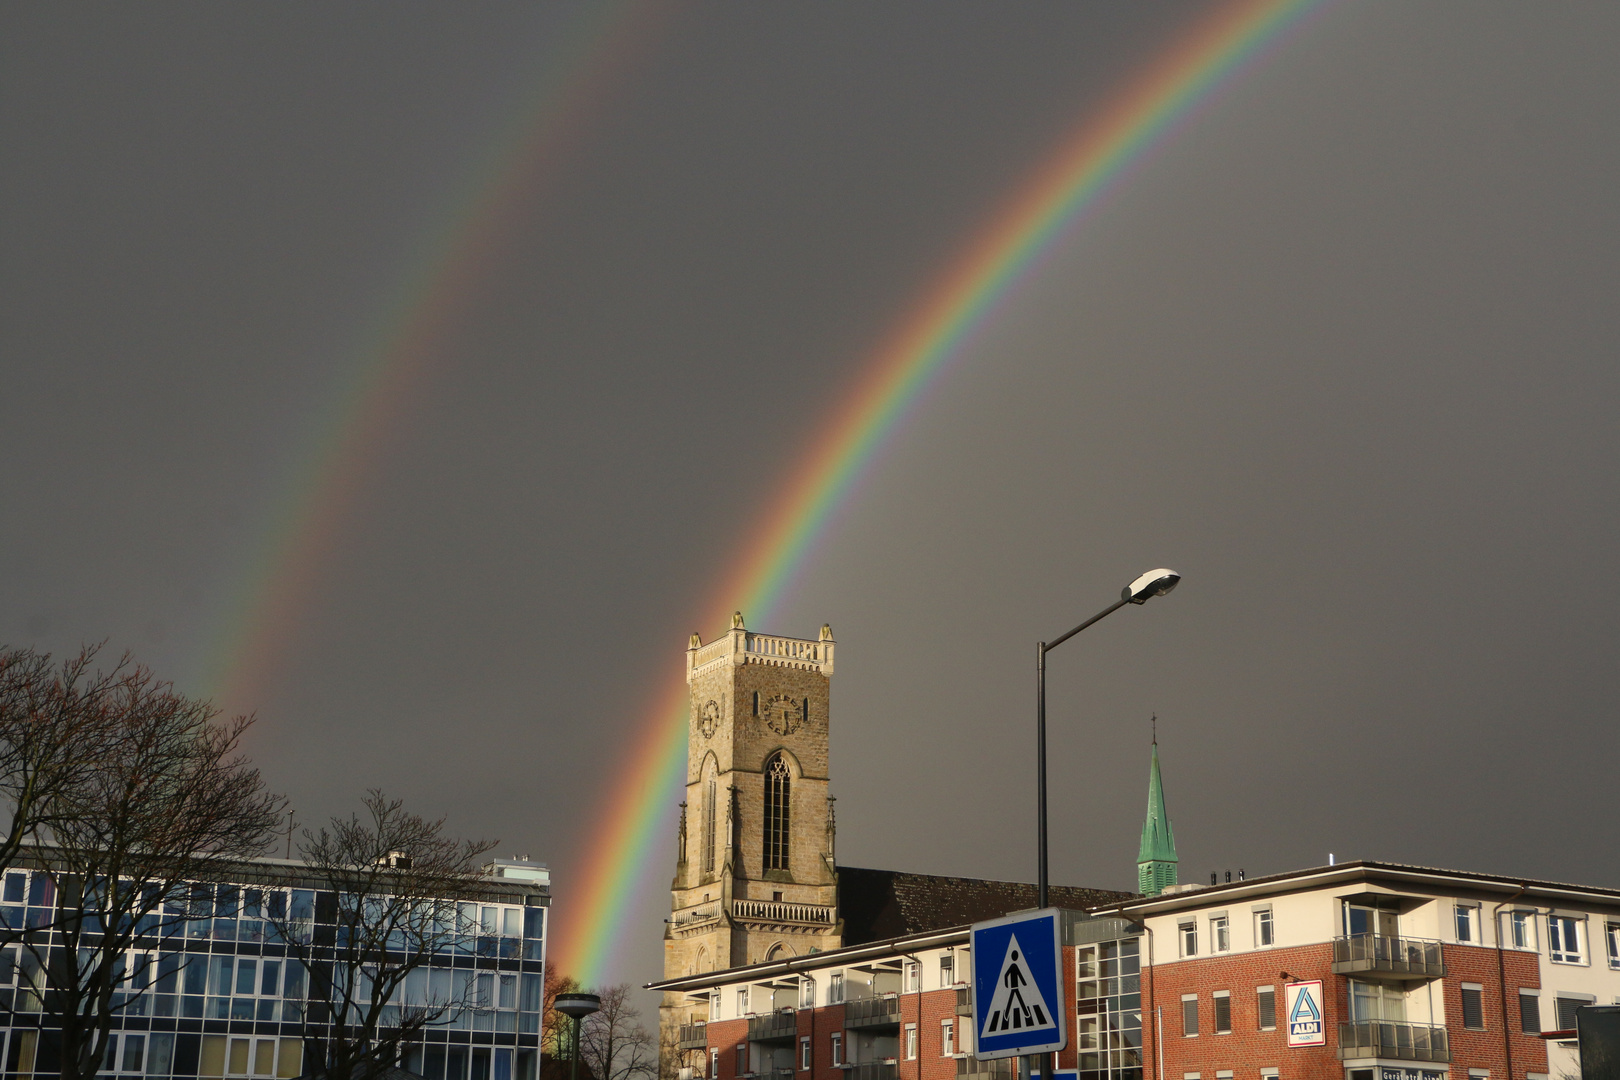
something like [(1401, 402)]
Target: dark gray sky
[(1342, 352)]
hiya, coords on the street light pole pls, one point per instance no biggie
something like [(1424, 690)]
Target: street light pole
[(1151, 584), (578, 1006)]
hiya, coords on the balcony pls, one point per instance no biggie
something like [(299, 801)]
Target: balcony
[(870, 1070), (1000, 1069), (694, 1036), (872, 1012), (774, 912), (1388, 1039), (964, 1002), (1395, 959), (773, 1027)]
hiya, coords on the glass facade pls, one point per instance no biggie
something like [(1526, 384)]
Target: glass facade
[(1108, 1004), (216, 992)]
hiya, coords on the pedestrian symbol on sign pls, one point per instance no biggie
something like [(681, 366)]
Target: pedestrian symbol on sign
[(1017, 1004)]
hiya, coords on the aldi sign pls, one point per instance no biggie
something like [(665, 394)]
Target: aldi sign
[(1307, 1022)]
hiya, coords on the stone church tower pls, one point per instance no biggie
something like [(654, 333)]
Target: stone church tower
[(754, 873)]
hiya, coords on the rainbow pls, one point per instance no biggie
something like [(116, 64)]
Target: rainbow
[(398, 348), (624, 853)]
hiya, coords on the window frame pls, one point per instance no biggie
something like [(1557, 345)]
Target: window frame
[(1187, 935), (1611, 934), (1220, 933), (1532, 997), (804, 1053), (1522, 929), (909, 1041), (1260, 993), (1219, 997), (1465, 924), (1478, 990), (1560, 928), (837, 1049), (1189, 1011), (947, 1037), (1263, 918)]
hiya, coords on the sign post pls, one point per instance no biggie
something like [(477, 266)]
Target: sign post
[(1018, 986)]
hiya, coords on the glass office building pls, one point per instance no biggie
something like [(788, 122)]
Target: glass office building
[(217, 993)]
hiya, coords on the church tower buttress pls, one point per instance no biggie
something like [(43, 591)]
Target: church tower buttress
[(754, 875)]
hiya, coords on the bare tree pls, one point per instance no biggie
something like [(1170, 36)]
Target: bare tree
[(614, 1043), (51, 731), (392, 881), (153, 796)]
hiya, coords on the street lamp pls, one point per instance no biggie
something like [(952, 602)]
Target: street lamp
[(579, 1006), (1151, 584)]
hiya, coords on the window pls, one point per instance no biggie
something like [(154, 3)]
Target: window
[(1263, 932), (913, 978), (742, 1058), (1220, 934), (1467, 923), (714, 1062), (837, 1048), (1522, 929), (1268, 1074), (1373, 1001), (1267, 1007), (835, 988), (947, 970), (947, 1038), (1223, 1012), (1564, 939), (1566, 1010), (711, 809), (804, 1051), (1223, 1074), (807, 993), (742, 1001), (1189, 1015), (1473, 1006), (778, 801), (1529, 1012), (1612, 932), (1189, 938), (1479, 1074), (911, 1042)]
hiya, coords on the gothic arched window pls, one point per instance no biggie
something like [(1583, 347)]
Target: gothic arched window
[(710, 811), (777, 803)]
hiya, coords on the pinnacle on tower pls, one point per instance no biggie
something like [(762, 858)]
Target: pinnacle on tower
[(1156, 859)]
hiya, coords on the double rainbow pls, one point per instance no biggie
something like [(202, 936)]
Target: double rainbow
[(628, 849)]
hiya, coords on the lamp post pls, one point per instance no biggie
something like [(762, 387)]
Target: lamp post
[(1151, 584), (579, 1006)]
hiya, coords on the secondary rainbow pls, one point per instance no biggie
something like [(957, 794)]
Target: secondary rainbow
[(624, 854), (398, 349)]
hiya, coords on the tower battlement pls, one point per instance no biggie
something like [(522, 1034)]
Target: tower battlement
[(741, 646)]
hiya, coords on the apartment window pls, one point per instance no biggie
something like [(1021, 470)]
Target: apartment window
[(804, 1051), (1612, 933), (1479, 1074), (1264, 934), (1189, 938), (1223, 1012), (837, 1048), (742, 1058), (714, 1063), (1375, 1001), (911, 1042), (1473, 1006), (913, 977), (947, 1038), (1529, 1012), (1223, 1074), (1220, 934), (1522, 929), (1189, 1015), (947, 970), (1269, 1074), (742, 1001), (1564, 939), (1566, 1010), (1266, 1007), (1467, 923), (807, 994)]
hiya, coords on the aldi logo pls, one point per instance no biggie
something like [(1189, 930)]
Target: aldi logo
[(1302, 1002)]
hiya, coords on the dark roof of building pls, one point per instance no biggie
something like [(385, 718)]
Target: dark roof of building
[(880, 904)]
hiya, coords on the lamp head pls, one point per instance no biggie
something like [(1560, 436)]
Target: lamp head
[(1151, 584), (577, 1006)]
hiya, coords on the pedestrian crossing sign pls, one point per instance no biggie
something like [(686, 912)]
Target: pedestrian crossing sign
[(1017, 988)]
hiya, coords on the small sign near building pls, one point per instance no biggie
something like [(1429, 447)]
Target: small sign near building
[(1307, 1023), (1017, 985)]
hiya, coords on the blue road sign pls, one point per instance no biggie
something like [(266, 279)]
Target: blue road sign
[(1017, 986)]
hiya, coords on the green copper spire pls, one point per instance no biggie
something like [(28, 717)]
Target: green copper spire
[(1156, 859)]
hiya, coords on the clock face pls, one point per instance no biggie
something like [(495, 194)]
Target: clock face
[(709, 718), (782, 714)]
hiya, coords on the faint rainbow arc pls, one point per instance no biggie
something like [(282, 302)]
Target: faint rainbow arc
[(351, 430)]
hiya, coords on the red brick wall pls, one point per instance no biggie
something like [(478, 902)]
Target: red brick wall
[(1485, 1049)]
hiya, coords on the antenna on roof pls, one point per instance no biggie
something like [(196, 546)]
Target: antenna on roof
[(1155, 723)]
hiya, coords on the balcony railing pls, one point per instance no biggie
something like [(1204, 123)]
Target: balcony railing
[(776, 1025), (1000, 1069), (870, 1070), (964, 1002), (1388, 1039), (873, 1012), (774, 911), (694, 1036), (1381, 954)]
